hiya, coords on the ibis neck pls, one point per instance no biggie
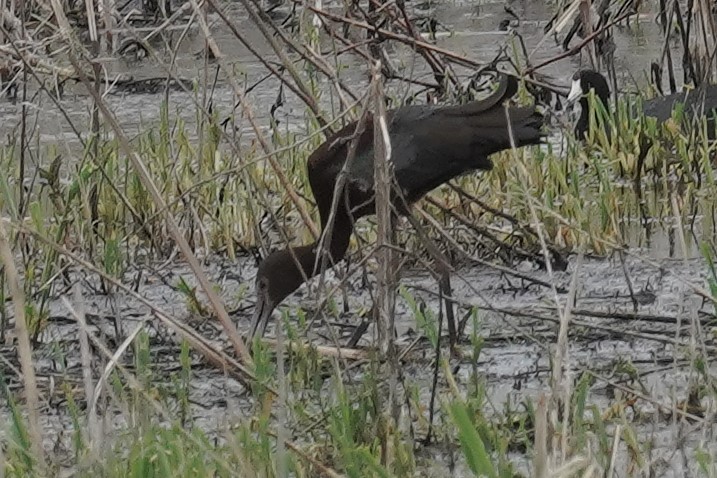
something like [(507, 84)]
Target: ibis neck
[(300, 263), (335, 246)]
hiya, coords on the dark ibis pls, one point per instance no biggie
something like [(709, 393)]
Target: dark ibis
[(430, 145)]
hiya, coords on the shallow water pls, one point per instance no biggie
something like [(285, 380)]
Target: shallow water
[(476, 35)]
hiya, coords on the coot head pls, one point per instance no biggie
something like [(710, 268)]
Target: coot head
[(583, 82)]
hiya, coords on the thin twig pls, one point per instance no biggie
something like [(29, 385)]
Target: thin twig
[(24, 349)]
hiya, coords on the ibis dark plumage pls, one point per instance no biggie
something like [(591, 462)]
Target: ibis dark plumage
[(430, 145), (697, 102)]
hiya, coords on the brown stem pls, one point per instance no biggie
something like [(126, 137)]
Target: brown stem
[(576, 49)]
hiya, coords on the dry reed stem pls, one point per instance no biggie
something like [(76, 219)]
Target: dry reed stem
[(91, 19), (290, 65), (268, 153), (174, 230), (561, 359), (412, 42), (282, 434), (326, 350), (639, 395), (298, 87), (385, 277), (559, 355), (325, 470), (576, 49), (106, 9), (557, 26), (382, 188), (704, 48), (513, 312), (670, 408), (267, 145), (613, 455), (204, 111), (337, 196), (3, 462), (540, 343), (485, 231), (112, 364), (182, 10), (586, 20), (540, 442), (24, 46), (24, 349), (573, 466), (306, 52), (78, 311)]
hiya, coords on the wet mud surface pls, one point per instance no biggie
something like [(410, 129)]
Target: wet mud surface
[(517, 323)]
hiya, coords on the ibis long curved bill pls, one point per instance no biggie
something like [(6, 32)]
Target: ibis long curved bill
[(259, 320)]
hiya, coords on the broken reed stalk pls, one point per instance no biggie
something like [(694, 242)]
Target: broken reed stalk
[(382, 187), (24, 349), (282, 433), (576, 49), (78, 311), (586, 19), (385, 277), (703, 44)]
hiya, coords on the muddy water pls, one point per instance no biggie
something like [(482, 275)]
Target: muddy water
[(517, 323), (476, 34), (514, 366)]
